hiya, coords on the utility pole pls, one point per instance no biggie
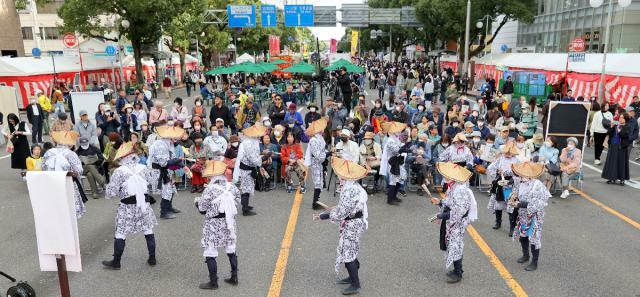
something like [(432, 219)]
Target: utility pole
[(465, 65)]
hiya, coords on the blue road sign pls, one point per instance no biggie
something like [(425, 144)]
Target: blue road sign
[(268, 15), (36, 52), (298, 15), (110, 50), (241, 16)]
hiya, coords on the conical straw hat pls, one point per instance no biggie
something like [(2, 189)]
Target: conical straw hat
[(510, 147), (454, 171), (65, 137), (348, 170), (317, 126), (460, 137), (213, 168), (528, 169), (124, 150), (172, 132), (257, 130), (393, 127)]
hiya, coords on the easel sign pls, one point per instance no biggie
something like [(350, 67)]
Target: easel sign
[(568, 119), (53, 202)]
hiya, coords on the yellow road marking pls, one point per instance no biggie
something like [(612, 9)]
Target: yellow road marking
[(607, 208), (285, 247), (516, 288)]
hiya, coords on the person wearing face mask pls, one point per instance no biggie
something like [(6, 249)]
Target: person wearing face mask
[(399, 114), (570, 163), (200, 153), (199, 110), (351, 214), (482, 128), (220, 111), (162, 158), (62, 158), (197, 124), (140, 113), (217, 144), (458, 153), (548, 155), (295, 115), (378, 107), (528, 122), (158, 114), (128, 121), (530, 196), (181, 113), (347, 149), (418, 116), (392, 162), (371, 155), (91, 158), (476, 142), (455, 213), (454, 129), (86, 128), (312, 115), (247, 164), (525, 154), (314, 157), (338, 114), (500, 172)]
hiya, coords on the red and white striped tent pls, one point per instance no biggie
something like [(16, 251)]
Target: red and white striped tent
[(622, 79)]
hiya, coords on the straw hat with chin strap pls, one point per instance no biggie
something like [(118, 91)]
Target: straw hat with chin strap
[(213, 168), (527, 169), (393, 127), (125, 149), (348, 170), (171, 132), (257, 130), (317, 126), (459, 137), (65, 137), (454, 171)]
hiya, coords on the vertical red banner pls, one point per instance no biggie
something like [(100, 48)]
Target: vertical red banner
[(333, 46), (274, 45)]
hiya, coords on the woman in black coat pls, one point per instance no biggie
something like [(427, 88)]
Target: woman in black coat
[(17, 133), (616, 168)]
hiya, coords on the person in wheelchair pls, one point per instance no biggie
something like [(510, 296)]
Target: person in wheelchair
[(370, 156)]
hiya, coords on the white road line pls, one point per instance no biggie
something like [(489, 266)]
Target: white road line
[(631, 183), (630, 161), (4, 157)]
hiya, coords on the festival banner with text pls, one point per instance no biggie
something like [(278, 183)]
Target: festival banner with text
[(333, 48), (274, 45), (354, 43)]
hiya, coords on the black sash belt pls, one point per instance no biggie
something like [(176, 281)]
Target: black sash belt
[(132, 199), (80, 189), (357, 215), (246, 167), (220, 216), (443, 232), (164, 174)]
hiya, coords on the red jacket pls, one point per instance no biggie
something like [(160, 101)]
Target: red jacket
[(286, 150)]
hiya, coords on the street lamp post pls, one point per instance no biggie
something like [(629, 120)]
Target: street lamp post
[(596, 4), (125, 24), (479, 25)]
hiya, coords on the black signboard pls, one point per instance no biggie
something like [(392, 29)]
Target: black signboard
[(568, 119)]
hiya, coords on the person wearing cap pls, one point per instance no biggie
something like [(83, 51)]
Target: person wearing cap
[(92, 159), (502, 137), (392, 162), (62, 158), (35, 116), (247, 165), (45, 103), (351, 214), (371, 155), (62, 123), (347, 149), (458, 152), (86, 128), (476, 143), (454, 127), (456, 212), (468, 129), (314, 157), (218, 204), (312, 115), (248, 115), (501, 175), (534, 144), (162, 157), (129, 183), (528, 122), (529, 195), (128, 121), (294, 114)]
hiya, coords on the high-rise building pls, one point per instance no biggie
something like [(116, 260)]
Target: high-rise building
[(10, 36), (40, 26), (558, 22)]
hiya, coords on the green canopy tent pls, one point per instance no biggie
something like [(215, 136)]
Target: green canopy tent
[(268, 66), (351, 68), (278, 62), (301, 67), (217, 70)]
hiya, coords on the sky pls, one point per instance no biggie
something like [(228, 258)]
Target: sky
[(323, 33)]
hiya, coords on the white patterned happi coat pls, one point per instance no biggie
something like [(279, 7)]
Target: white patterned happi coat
[(391, 149), (352, 200), (248, 154), (215, 231), (459, 199), (130, 218), (160, 152), (530, 219), (61, 158), (501, 164), (314, 157)]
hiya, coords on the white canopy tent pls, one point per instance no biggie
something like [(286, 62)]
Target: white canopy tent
[(245, 58)]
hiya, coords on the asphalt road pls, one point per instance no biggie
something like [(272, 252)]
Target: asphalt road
[(590, 248)]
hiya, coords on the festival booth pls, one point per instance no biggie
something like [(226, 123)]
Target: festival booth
[(622, 79), (245, 58), (174, 71)]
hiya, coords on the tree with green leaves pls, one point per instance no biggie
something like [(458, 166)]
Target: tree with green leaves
[(445, 19), (146, 20)]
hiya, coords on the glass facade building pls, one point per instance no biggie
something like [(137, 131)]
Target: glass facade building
[(557, 22)]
